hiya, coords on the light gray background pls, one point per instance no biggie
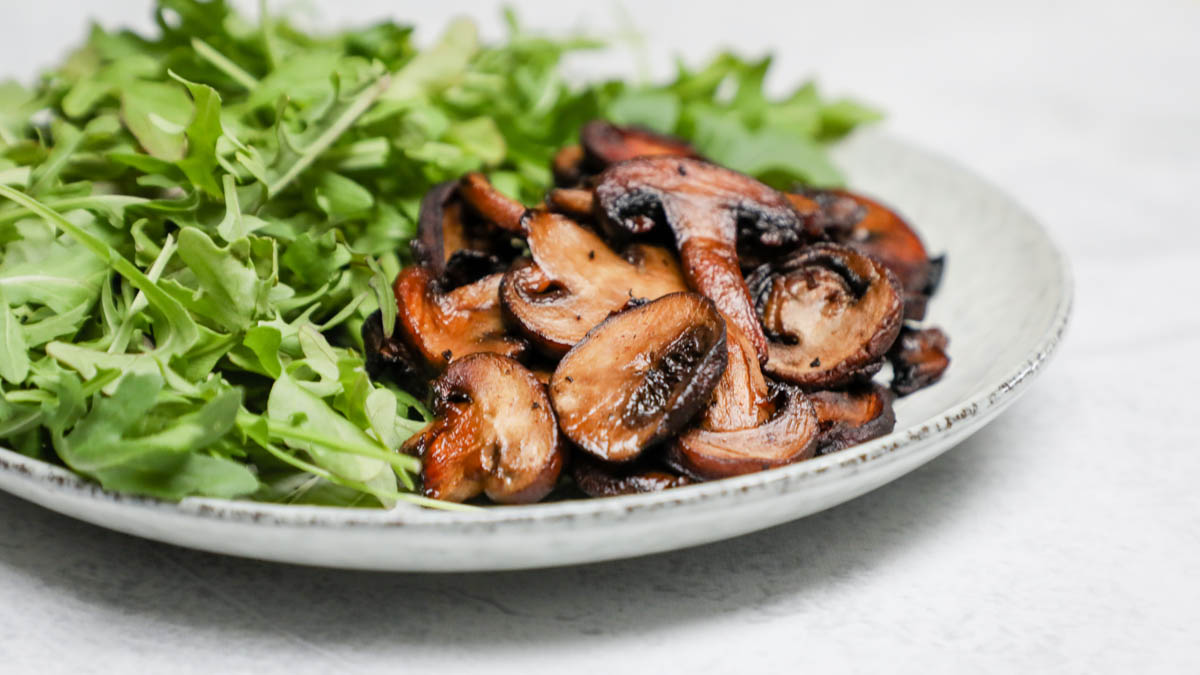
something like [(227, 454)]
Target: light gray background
[(1064, 537)]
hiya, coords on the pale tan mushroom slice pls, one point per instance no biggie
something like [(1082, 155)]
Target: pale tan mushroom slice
[(573, 281), (640, 376)]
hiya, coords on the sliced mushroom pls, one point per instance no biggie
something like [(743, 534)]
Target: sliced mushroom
[(605, 143), (790, 435), (494, 433), (443, 326), (493, 205), (882, 233), (831, 312), (640, 376), (834, 213), (918, 359), (746, 426), (567, 166), (602, 479), (853, 416), (575, 280), (388, 358), (704, 205), (575, 203), (741, 399), (457, 247)]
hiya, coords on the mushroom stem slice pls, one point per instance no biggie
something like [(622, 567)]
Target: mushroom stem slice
[(575, 203), (830, 312), (494, 432), (601, 479), (441, 327), (493, 205), (918, 359), (640, 376), (705, 206), (853, 416), (791, 435), (574, 281)]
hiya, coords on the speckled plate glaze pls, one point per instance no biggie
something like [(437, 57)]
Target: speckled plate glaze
[(1004, 302)]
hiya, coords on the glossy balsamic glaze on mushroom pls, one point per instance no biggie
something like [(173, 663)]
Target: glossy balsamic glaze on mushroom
[(748, 341)]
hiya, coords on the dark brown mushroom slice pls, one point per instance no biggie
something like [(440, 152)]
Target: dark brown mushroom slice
[(704, 206), (493, 433), (640, 376), (440, 326), (605, 143), (852, 416), (788, 436), (491, 204), (602, 479), (834, 213), (567, 166), (388, 358), (574, 280), (830, 312), (882, 233), (918, 359), (458, 247)]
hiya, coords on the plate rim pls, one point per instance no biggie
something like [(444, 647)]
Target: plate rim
[(995, 394)]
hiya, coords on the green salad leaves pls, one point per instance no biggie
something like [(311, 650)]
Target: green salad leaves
[(194, 225)]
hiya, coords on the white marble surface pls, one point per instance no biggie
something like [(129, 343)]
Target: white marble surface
[(1065, 537)]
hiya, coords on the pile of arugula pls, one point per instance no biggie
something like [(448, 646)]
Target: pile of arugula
[(193, 227)]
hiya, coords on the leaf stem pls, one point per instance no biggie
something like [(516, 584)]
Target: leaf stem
[(344, 121), (222, 62)]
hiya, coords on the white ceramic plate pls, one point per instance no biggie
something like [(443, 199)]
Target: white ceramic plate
[(1004, 302)]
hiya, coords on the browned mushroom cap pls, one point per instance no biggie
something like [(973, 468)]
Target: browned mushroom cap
[(602, 479), (790, 435), (640, 376), (494, 433), (831, 312), (853, 416), (575, 280), (704, 205), (918, 359), (605, 143), (493, 205), (441, 327)]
